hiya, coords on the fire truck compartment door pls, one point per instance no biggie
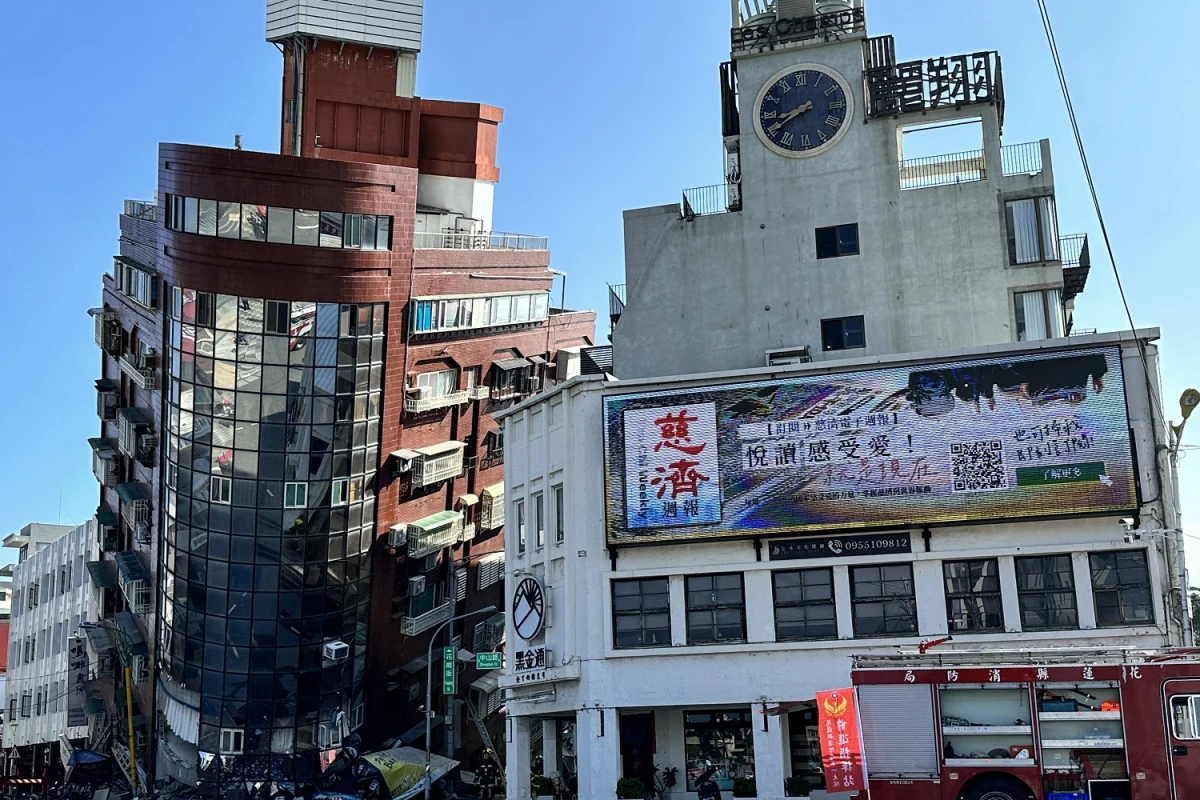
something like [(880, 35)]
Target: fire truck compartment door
[(899, 733), (1182, 703)]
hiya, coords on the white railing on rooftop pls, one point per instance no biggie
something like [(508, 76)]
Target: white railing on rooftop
[(417, 402), (486, 240)]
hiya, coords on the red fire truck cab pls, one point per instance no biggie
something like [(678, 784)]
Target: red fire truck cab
[(1063, 724)]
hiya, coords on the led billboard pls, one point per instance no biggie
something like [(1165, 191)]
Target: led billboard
[(972, 441)]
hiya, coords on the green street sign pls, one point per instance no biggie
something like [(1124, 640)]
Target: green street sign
[(448, 670), (489, 660)]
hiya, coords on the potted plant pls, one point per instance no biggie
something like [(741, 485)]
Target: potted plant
[(744, 787), (631, 789), (541, 787), (797, 786)]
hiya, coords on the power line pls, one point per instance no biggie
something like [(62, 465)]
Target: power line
[(1087, 171)]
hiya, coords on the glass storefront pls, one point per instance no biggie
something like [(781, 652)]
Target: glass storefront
[(723, 737), (272, 438)]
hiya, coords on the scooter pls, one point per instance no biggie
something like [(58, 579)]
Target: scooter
[(706, 787)]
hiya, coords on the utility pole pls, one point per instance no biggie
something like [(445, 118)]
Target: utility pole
[(1187, 404)]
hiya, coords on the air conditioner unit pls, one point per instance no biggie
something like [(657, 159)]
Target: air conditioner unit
[(146, 441), (336, 651), (398, 536), (404, 459), (429, 563), (416, 585)]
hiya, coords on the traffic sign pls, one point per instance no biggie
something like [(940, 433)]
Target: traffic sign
[(448, 670), (489, 661)]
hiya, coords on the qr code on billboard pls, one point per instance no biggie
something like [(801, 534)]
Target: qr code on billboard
[(978, 466)]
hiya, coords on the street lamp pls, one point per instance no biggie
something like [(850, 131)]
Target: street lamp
[(429, 682), (125, 644)]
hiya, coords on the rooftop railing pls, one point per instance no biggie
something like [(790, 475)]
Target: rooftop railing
[(968, 167), (707, 200), (486, 240)]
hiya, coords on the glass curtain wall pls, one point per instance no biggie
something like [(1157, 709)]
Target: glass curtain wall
[(271, 405)]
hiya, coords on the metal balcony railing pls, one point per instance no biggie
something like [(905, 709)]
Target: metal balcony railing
[(419, 402), (139, 371), (1022, 159), (479, 393), (708, 200), (411, 626), (141, 209), (947, 170), (138, 595), (104, 467), (468, 532), (422, 543), (431, 469), (485, 240)]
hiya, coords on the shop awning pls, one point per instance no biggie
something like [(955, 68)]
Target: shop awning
[(439, 449), (488, 683), (131, 567), (495, 490), (511, 364), (101, 445), (468, 500), (105, 385), (105, 517), (99, 639), (129, 627), (104, 574), (437, 521), (131, 492)]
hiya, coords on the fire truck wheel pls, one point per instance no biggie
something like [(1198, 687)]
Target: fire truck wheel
[(996, 787)]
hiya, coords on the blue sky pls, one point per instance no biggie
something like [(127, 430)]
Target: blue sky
[(608, 106)]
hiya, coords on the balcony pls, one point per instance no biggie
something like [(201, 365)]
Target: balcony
[(432, 533), (411, 626), (1077, 263), (134, 433), (104, 461), (705, 201), (479, 392), (135, 509), (135, 581), (140, 369), (468, 532), (421, 400), (491, 507), (485, 240), (106, 399), (437, 463), (108, 330), (968, 167)]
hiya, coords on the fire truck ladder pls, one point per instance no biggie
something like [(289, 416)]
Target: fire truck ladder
[(486, 737)]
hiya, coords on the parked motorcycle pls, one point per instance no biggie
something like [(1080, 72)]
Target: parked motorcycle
[(706, 787)]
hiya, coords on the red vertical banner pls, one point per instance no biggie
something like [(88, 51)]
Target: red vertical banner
[(841, 741)]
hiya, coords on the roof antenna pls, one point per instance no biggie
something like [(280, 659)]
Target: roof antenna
[(237, 142)]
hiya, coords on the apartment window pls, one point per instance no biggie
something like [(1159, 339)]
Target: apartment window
[(437, 384), (470, 377), (1046, 592), (560, 524), (356, 717), (641, 613), (332, 228), (308, 226), (229, 220), (341, 490), (843, 333), (12, 708), (280, 222), (26, 705), (1032, 230), (220, 490), (884, 600), (804, 605), (295, 495), (1121, 587), (206, 311), (353, 235), (840, 240), (1039, 315), (716, 608), (231, 741), (519, 508), (539, 521), (973, 595)]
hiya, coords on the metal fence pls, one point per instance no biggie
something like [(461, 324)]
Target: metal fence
[(947, 170), (1021, 159), (486, 240), (706, 200), (1071, 249), (141, 209)]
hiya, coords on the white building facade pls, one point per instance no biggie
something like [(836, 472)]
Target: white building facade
[(850, 414), (52, 597), (678, 647)]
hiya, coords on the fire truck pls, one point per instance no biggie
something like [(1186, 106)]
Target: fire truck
[(1063, 724)]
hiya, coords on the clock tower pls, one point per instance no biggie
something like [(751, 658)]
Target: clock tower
[(829, 237)]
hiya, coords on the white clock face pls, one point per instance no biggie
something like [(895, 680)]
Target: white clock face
[(803, 111)]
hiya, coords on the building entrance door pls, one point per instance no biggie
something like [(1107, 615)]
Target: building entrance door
[(637, 747)]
